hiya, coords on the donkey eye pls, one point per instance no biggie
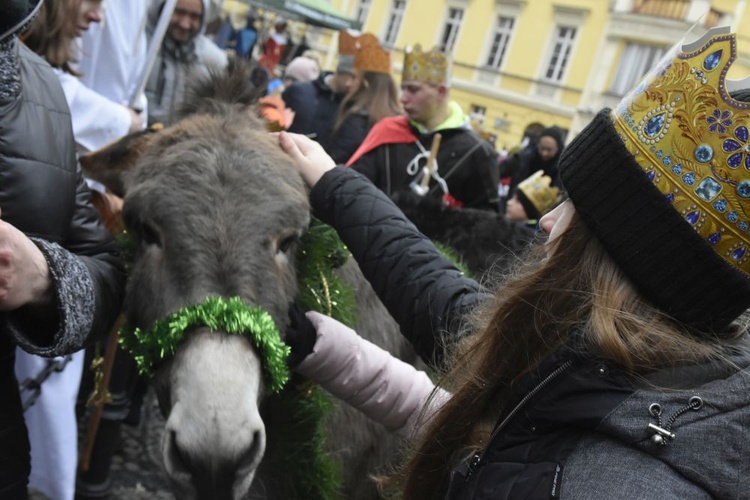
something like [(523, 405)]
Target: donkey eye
[(286, 243), (149, 235)]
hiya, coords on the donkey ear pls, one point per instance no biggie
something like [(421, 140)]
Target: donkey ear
[(111, 164)]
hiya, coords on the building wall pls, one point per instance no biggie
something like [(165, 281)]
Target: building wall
[(516, 95)]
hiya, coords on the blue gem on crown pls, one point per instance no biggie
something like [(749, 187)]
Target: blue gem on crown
[(708, 189), (704, 153), (743, 189), (712, 60)]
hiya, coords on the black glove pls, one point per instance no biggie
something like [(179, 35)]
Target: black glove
[(300, 335)]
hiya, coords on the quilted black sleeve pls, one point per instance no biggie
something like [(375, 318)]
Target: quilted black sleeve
[(424, 292)]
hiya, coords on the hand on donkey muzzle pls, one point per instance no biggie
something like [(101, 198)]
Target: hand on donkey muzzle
[(300, 335)]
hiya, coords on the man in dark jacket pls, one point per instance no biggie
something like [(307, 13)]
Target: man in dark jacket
[(316, 103), (395, 152), (61, 279)]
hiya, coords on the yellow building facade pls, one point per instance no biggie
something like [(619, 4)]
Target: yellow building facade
[(522, 64)]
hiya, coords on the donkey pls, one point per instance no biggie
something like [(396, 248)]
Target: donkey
[(215, 209)]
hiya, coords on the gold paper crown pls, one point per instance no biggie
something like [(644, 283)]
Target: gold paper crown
[(538, 191), (693, 141), (370, 56), (429, 67), (347, 43)]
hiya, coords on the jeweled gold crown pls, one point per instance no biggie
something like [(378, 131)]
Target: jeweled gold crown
[(429, 67), (692, 139), (538, 191), (370, 56), (347, 43)]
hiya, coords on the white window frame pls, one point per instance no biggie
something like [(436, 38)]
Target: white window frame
[(363, 10), (454, 18), (394, 21), (561, 52), (478, 113), (500, 37), (636, 60), (563, 17)]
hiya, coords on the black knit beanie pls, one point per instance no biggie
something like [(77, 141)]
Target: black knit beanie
[(667, 260), (14, 14)]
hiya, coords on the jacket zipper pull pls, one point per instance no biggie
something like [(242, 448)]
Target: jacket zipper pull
[(473, 464)]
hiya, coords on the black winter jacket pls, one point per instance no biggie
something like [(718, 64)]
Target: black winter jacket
[(576, 427), (467, 163), (422, 290), (315, 108), (42, 193)]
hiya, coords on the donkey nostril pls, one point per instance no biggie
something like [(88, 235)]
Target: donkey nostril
[(252, 457), (173, 458)]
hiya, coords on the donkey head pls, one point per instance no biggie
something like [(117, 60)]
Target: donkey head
[(215, 210)]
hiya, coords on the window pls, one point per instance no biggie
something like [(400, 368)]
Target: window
[(363, 9), (500, 40), (394, 22), (450, 30), (636, 61), (478, 113), (562, 47)]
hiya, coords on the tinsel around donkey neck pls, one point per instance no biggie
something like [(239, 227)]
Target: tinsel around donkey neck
[(150, 347), (321, 290)]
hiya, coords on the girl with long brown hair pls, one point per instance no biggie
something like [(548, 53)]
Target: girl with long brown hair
[(614, 362), (373, 96), (97, 121)]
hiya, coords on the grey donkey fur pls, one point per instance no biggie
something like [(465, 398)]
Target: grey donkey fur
[(213, 205)]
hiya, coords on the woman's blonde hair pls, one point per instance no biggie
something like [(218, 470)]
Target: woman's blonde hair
[(52, 33), (577, 288), (377, 97)]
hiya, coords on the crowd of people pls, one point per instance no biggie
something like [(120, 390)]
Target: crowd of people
[(617, 350)]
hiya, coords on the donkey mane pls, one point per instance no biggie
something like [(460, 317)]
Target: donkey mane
[(220, 90)]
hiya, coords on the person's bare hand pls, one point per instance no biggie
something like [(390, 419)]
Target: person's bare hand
[(24, 274), (308, 156), (137, 122)]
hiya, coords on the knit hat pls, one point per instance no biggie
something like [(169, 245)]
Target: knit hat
[(536, 195), (663, 182), (302, 69), (14, 14), (346, 64), (555, 133)]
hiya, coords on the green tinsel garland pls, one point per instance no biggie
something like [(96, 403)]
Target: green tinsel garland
[(321, 253), (227, 315)]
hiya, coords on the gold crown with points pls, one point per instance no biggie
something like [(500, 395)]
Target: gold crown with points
[(692, 140), (430, 67), (539, 192), (370, 56), (347, 43)]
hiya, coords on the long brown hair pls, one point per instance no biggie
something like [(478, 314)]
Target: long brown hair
[(377, 97), (51, 33), (577, 286)]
